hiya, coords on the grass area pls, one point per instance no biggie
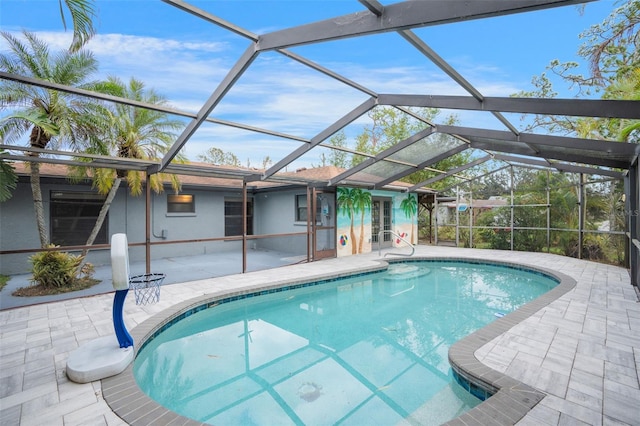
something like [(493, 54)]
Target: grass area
[(3, 281), (40, 290)]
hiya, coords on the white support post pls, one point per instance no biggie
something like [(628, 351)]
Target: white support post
[(512, 204)]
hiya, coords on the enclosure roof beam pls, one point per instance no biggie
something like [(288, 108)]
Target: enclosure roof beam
[(225, 85), (468, 179), (421, 46), (524, 160), (605, 108), (374, 6), (423, 165), (138, 104), (113, 162), (254, 37), (327, 72), (90, 94), (564, 167), (95, 163), (521, 149), (603, 148), (316, 140), (451, 172), (384, 154), (193, 10), (378, 8), (400, 16)]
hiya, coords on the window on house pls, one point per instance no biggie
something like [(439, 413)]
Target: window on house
[(233, 217), (302, 209), (182, 203), (73, 216)]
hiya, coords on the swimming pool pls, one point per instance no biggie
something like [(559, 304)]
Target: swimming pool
[(368, 349)]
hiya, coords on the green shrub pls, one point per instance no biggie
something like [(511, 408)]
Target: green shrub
[(447, 233), (497, 238), (4, 279), (54, 269)]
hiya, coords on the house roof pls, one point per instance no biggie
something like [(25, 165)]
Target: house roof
[(300, 177), (490, 148)]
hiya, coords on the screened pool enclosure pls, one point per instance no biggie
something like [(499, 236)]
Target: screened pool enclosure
[(574, 196)]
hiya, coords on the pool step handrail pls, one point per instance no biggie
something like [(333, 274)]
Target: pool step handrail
[(395, 234)]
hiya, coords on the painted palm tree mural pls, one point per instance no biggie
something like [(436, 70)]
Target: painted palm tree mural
[(410, 207), (362, 202), (352, 201), (347, 208)]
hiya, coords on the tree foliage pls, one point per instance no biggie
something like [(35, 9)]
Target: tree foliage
[(336, 157), (50, 119), (610, 50), (132, 133), (8, 179), (390, 126), (82, 13), (538, 193), (219, 157)]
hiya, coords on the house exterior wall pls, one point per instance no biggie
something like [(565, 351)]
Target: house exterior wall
[(18, 228), (277, 215), (208, 221), (444, 216), (274, 213), (126, 215)]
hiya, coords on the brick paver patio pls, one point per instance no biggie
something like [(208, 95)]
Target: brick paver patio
[(582, 350)]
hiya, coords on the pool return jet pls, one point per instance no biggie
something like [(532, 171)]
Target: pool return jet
[(110, 355)]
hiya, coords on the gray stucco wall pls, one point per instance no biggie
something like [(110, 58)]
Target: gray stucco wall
[(127, 215), (18, 225), (276, 213)]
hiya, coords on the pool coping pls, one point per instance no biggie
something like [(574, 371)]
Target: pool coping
[(511, 399)]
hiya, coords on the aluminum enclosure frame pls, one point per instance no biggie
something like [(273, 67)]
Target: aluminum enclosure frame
[(555, 152)]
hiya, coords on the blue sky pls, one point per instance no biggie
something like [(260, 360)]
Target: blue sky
[(184, 58)]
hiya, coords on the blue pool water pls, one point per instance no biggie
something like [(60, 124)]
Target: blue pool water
[(365, 350)]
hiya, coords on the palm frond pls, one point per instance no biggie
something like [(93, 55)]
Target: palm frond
[(82, 14), (626, 132), (33, 117), (8, 180)]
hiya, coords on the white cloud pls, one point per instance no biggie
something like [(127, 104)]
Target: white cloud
[(275, 93)]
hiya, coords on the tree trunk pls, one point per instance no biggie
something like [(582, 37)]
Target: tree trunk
[(411, 238), (354, 246), (38, 205), (361, 232), (102, 215)]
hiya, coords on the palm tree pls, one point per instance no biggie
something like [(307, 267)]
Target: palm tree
[(49, 117), (134, 133), (8, 179), (82, 13), (410, 207), (361, 202), (346, 206)]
